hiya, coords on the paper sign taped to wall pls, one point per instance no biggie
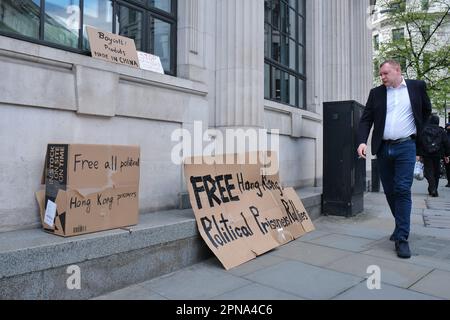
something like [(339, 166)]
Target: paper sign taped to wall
[(240, 212), (150, 62)]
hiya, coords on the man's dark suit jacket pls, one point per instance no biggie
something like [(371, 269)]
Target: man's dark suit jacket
[(376, 109)]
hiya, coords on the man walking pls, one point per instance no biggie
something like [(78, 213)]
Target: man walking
[(397, 110), (435, 146)]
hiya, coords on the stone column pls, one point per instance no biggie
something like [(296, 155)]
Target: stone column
[(336, 50), (314, 59), (315, 76), (239, 64), (191, 40), (361, 51)]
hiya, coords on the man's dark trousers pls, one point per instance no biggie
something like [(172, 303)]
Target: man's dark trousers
[(447, 170), (396, 167), (432, 172)]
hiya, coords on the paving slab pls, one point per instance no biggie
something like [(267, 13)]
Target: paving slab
[(313, 234), (358, 230), (197, 282), (304, 280), (422, 230), (393, 272), (310, 253), (257, 292), (386, 292), (438, 205), (256, 264), (135, 292), (344, 242), (437, 218), (436, 283), (386, 251)]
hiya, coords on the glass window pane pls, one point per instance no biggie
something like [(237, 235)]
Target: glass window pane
[(301, 7), (293, 3), (284, 18), (62, 22), (292, 24), (285, 87), (129, 24), (292, 55), (98, 14), (266, 81), (267, 12), (301, 28), (276, 14), (20, 17), (284, 50), (165, 5), (161, 36), (292, 90), (301, 62), (276, 52), (398, 34), (301, 93), (276, 84), (267, 41)]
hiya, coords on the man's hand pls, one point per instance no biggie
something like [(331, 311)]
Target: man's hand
[(362, 150), (447, 160)]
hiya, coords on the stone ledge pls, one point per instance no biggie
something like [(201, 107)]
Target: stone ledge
[(26, 251), (33, 263)]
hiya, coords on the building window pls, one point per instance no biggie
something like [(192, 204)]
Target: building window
[(398, 34), (398, 6), (61, 23), (284, 51), (376, 42)]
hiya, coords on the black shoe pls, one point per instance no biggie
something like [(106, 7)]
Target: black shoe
[(391, 238), (448, 185), (435, 194), (402, 248)]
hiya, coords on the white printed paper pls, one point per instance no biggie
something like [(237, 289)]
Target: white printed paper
[(50, 213), (150, 62)]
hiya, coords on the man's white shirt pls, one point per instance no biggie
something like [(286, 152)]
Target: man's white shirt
[(399, 117)]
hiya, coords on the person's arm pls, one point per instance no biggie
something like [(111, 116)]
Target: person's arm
[(365, 124), (426, 113), (426, 103)]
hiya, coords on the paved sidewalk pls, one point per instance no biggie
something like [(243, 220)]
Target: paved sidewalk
[(329, 263)]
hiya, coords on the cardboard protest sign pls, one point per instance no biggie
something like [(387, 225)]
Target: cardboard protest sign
[(242, 213), (112, 47), (89, 188)]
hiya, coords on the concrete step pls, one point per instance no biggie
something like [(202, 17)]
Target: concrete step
[(35, 265)]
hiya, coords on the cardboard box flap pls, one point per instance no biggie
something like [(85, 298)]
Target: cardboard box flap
[(103, 166), (94, 187)]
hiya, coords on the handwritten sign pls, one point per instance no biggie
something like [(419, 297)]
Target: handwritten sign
[(112, 47), (150, 62), (242, 213), (90, 188)]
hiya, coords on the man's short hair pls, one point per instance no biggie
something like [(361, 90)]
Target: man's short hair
[(392, 62)]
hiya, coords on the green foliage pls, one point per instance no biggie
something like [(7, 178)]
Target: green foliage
[(423, 48)]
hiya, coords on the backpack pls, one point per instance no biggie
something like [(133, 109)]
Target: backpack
[(431, 139)]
